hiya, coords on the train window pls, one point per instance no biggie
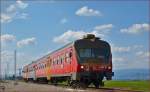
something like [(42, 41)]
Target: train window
[(63, 57), (67, 55), (48, 63), (85, 52), (68, 58), (55, 61), (70, 54), (61, 60), (58, 60), (42, 66)]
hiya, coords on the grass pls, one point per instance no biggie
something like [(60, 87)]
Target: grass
[(136, 85), (142, 85)]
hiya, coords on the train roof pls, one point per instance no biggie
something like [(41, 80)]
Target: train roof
[(44, 57)]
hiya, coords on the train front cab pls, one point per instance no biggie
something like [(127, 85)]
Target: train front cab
[(94, 62)]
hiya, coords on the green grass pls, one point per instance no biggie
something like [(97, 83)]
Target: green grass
[(142, 85)]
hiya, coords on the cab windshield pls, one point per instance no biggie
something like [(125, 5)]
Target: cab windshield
[(94, 53)]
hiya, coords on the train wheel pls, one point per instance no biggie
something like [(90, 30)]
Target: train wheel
[(54, 81), (83, 85), (96, 84), (78, 85), (74, 84), (87, 83)]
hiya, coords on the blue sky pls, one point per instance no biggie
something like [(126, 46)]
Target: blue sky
[(36, 28)]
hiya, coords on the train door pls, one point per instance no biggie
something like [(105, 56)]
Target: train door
[(48, 63), (34, 73), (69, 60)]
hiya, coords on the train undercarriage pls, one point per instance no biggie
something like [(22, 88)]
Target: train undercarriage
[(81, 80)]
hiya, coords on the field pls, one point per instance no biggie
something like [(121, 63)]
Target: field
[(131, 85)]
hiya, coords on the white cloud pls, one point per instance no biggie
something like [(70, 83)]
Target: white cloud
[(132, 60), (136, 28), (71, 35), (68, 36), (6, 56), (85, 11), (22, 16), (25, 42), (7, 38), (18, 5), (120, 49), (116, 59), (63, 21), (138, 46), (143, 54), (13, 11), (21, 4), (104, 28), (4, 18)]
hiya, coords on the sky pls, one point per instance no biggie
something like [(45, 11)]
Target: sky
[(36, 28)]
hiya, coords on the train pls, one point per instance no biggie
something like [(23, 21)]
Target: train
[(79, 63)]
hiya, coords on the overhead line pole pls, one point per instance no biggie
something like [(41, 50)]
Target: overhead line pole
[(0, 49), (7, 70), (15, 64), (0, 46), (0, 59)]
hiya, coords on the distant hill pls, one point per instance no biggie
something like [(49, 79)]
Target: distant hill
[(132, 74)]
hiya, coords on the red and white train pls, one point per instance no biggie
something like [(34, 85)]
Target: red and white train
[(80, 63)]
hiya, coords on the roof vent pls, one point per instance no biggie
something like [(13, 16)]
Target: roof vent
[(89, 36)]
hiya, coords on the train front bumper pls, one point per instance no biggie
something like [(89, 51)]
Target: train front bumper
[(94, 75), (109, 75)]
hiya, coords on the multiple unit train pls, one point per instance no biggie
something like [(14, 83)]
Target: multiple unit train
[(80, 63)]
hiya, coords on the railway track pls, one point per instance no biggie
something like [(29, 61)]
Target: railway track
[(39, 87), (91, 89)]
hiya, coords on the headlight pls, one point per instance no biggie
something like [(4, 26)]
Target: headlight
[(109, 67), (82, 66)]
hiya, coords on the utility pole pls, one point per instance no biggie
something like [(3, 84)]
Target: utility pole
[(7, 70), (0, 51), (19, 72), (0, 58), (0, 62), (15, 64)]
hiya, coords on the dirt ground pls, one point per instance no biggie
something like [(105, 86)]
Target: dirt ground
[(11, 86)]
